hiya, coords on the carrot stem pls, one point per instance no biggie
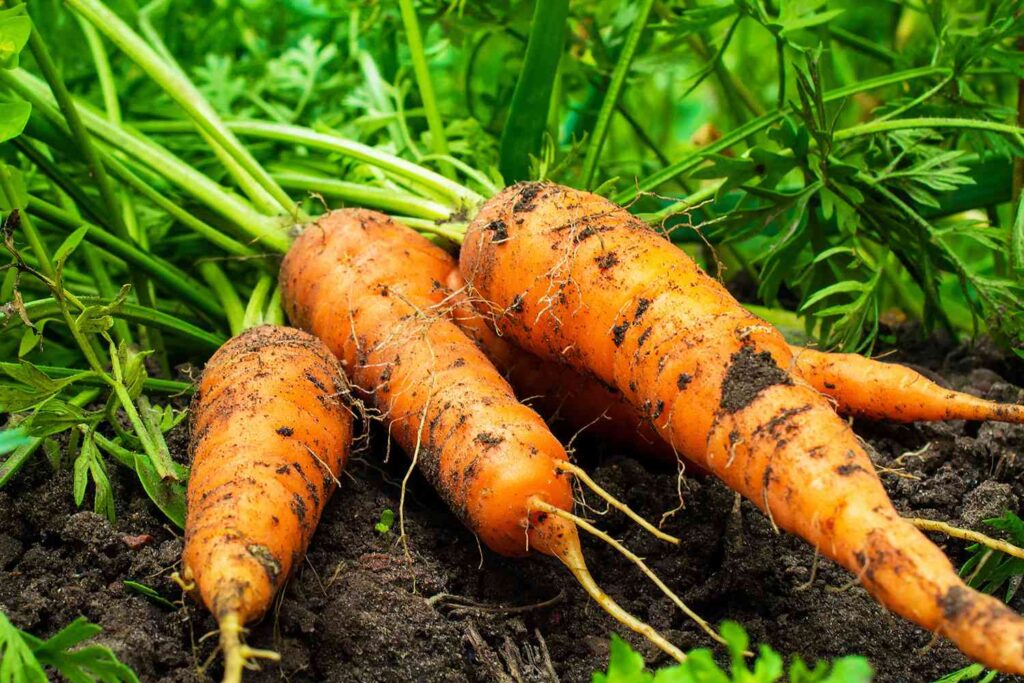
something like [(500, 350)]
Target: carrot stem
[(582, 475), (181, 90)]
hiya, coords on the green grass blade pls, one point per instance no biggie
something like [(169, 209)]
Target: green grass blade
[(611, 98), (528, 114)]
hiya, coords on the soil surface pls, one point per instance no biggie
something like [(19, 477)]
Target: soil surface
[(361, 609)]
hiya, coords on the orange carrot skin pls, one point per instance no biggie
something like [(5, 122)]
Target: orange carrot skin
[(374, 291), (555, 390), (582, 281), (886, 391), (269, 437)]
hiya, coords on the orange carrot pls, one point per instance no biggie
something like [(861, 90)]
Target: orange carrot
[(374, 292), (582, 281), (270, 436), (885, 391)]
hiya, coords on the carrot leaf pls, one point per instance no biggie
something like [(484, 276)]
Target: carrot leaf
[(627, 666), (24, 658)]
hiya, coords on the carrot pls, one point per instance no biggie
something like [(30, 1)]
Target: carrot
[(885, 391), (582, 281), (270, 436), (374, 292)]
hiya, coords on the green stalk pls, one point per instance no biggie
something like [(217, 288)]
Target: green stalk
[(127, 226), (863, 45), (434, 183), (181, 90), (151, 34), (531, 100), (35, 242), (164, 466), (364, 195), (257, 302), (267, 230), (611, 97), (762, 123), (873, 127), (260, 198), (133, 313), (297, 135), (702, 195), (182, 215), (112, 107), (159, 456), (75, 125), (225, 291), (169, 275), (69, 187), (274, 315), (438, 138), (467, 170)]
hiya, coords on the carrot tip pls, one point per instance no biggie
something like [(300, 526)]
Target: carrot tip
[(237, 655), (572, 557)]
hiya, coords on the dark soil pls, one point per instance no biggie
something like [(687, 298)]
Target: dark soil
[(358, 608)]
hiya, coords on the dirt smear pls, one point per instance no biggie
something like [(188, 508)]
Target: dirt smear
[(750, 372), (358, 610)]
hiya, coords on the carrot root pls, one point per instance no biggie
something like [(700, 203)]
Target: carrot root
[(571, 555), (632, 557), (967, 535), (237, 655), (872, 389), (585, 478)]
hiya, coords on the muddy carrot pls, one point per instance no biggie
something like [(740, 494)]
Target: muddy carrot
[(269, 437), (581, 281), (375, 292)]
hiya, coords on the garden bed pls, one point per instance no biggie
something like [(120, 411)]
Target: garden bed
[(361, 609)]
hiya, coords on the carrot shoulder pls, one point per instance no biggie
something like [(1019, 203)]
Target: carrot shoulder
[(582, 281), (269, 437)]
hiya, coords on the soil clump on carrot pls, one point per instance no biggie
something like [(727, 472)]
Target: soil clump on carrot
[(350, 613)]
